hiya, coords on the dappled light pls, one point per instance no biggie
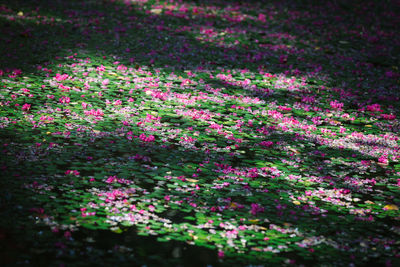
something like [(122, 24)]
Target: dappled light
[(199, 133)]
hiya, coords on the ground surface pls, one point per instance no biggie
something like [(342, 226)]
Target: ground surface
[(187, 133)]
